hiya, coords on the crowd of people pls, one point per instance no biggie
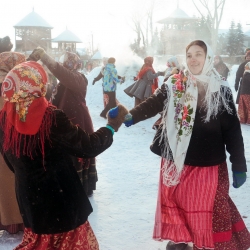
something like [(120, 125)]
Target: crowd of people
[(48, 147)]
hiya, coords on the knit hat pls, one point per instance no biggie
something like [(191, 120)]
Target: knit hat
[(111, 60), (5, 44)]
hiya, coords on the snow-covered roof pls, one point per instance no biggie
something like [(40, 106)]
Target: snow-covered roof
[(33, 20), (97, 56), (68, 37), (177, 14)]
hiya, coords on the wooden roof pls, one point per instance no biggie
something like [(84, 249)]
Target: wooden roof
[(68, 37), (178, 15), (33, 20)]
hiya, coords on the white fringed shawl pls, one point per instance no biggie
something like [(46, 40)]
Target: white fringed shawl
[(179, 113)]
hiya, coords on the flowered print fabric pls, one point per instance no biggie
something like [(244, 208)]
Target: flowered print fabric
[(23, 84), (110, 78), (8, 60), (184, 112), (81, 238)]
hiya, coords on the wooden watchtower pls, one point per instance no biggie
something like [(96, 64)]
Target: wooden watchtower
[(32, 31), (178, 31), (66, 40)]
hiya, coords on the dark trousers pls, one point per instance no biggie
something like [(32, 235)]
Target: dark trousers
[(111, 103)]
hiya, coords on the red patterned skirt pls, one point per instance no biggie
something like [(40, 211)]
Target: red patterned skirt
[(81, 238), (244, 109), (199, 210)]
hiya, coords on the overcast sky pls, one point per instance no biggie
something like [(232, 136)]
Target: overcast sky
[(108, 21)]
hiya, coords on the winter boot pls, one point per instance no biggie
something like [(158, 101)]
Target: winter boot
[(173, 246)]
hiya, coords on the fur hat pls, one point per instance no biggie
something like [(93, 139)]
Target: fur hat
[(5, 44), (111, 60)]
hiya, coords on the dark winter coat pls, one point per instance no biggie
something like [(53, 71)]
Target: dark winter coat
[(50, 195), (70, 96), (238, 79), (245, 84), (208, 140)]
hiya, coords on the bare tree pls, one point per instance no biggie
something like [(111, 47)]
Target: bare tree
[(214, 9), (137, 28), (142, 21)]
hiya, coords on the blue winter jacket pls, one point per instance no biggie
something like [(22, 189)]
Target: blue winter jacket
[(110, 78)]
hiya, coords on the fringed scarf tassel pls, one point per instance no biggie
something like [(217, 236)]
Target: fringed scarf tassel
[(13, 139)]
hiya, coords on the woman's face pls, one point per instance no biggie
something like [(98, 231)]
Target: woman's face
[(195, 58)]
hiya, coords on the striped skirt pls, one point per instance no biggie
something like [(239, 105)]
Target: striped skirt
[(199, 210), (12, 229), (81, 238)]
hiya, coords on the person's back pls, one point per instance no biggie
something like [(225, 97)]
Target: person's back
[(37, 142)]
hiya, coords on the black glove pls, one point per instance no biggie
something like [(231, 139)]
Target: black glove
[(122, 80)]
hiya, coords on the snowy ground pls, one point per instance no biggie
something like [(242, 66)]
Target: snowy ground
[(125, 200)]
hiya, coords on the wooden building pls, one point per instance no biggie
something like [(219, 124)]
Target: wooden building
[(32, 31), (178, 31), (66, 40)]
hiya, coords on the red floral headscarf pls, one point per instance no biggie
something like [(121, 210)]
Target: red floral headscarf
[(8, 60), (23, 84), (25, 111)]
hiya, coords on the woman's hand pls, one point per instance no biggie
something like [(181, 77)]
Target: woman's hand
[(116, 116), (239, 179)]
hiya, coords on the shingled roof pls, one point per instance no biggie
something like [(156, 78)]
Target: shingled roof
[(68, 37), (177, 14), (33, 20)]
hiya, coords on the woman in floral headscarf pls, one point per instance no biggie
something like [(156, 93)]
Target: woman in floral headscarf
[(146, 82), (69, 95), (199, 122), (37, 141), (244, 102), (10, 218)]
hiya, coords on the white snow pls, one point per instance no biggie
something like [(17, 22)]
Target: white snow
[(125, 200)]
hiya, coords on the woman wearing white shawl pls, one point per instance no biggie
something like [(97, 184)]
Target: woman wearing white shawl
[(199, 122)]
